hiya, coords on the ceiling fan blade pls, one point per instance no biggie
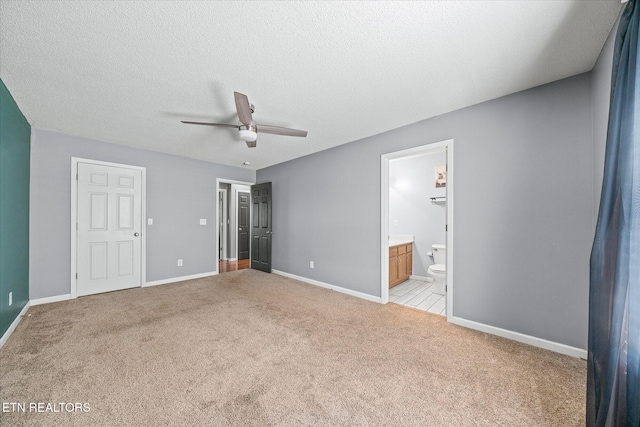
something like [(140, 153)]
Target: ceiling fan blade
[(209, 124), (251, 144), (243, 107), (277, 130)]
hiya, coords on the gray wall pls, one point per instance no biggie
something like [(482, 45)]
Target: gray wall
[(601, 89), (411, 184), (523, 209), (180, 191)]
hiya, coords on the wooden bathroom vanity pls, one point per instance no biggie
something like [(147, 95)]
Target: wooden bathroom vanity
[(400, 261)]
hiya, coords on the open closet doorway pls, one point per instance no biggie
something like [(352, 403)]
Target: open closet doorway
[(232, 253), (417, 228)]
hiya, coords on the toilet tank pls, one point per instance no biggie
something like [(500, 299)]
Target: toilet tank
[(439, 254)]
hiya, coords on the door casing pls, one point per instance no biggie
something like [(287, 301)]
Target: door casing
[(223, 225), (447, 145)]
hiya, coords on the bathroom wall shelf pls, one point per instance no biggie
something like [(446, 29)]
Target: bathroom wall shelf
[(438, 200)]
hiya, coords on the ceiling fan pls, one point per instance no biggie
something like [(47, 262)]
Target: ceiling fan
[(248, 129)]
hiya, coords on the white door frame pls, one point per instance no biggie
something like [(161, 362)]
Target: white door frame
[(384, 215), (74, 219), (218, 182), (222, 235)]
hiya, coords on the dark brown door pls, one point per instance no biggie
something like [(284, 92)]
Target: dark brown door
[(261, 227), (244, 228)]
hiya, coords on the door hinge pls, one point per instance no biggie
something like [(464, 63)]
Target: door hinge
[(446, 227), (76, 276), (76, 177)]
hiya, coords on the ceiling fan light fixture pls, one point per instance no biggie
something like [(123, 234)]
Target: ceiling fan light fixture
[(248, 135)]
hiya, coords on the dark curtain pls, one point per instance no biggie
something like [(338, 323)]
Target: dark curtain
[(614, 299)]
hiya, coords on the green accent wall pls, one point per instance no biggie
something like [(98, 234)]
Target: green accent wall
[(15, 147)]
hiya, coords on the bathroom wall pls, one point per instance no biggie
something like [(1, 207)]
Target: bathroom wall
[(411, 184)]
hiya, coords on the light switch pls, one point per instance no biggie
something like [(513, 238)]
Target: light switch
[(203, 221), (395, 222), (150, 221)]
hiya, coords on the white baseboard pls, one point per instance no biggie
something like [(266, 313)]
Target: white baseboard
[(48, 300), (14, 324), (179, 279), (328, 286), (423, 278), (65, 297), (517, 336)]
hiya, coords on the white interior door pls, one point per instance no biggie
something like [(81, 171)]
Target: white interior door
[(109, 226)]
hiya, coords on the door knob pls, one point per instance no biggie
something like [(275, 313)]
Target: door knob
[(136, 234)]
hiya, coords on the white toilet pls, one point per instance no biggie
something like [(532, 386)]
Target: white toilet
[(438, 271)]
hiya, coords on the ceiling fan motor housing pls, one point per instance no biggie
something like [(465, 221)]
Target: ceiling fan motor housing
[(248, 133)]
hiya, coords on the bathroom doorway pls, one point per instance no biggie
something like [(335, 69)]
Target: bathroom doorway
[(417, 228)]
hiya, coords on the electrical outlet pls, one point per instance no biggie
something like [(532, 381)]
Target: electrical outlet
[(10, 298), (203, 221), (179, 263), (150, 221), (311, 264)]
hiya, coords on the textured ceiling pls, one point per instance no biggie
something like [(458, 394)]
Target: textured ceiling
[(128, 72)]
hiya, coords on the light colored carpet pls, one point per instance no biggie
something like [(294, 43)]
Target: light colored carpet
[(253, 349)]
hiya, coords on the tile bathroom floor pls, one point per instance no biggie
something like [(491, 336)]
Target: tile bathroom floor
[(417, 294)]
